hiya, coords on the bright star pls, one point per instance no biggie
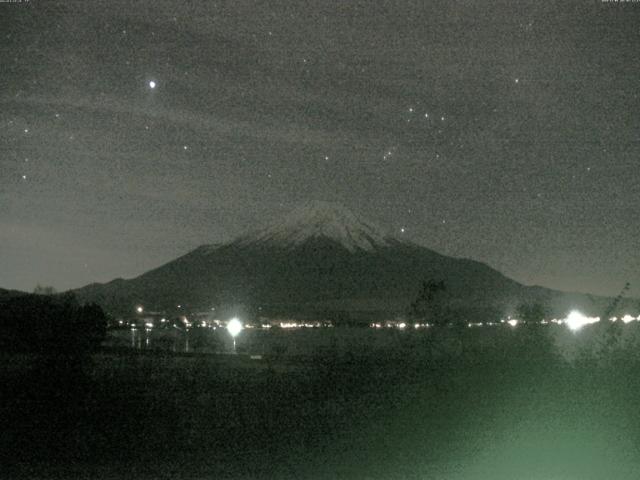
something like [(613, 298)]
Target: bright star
[(152, 84)]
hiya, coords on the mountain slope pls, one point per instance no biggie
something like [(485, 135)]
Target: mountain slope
[(322, 260)]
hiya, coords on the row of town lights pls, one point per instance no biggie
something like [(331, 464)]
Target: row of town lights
[(234, 326), (575, 321)]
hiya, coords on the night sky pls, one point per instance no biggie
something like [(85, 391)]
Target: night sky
[(507, 132)]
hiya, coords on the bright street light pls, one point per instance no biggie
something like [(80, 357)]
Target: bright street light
[(234, 327), (576, 320)]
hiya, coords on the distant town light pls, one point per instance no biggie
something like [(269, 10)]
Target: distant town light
[(628, 318), (513, 322)]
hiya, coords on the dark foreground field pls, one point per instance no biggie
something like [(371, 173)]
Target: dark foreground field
[(493, 404)]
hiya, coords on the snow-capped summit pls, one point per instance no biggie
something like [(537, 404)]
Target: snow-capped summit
[(321, 220)]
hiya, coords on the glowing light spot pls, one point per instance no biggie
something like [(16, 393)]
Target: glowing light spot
[(152, 84), (513, 322), (628, 318), (576, 320), (139, 309), (234, 327)]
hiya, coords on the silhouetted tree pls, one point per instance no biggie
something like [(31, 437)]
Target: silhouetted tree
[(611, 330), (43, 290), (531, 312), (429, 305), (51, 324)]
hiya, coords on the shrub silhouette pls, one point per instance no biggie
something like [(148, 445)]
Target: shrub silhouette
[(50, 324)]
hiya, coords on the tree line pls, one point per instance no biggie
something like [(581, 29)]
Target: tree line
[(50, 323)]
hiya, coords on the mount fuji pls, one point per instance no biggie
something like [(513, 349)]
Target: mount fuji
[(322, 260), (320, 220)]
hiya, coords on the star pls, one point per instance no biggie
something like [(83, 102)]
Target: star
[(185, 147), (24, 177), (517, 80), (26, 130), (402, 230), (152, 85)]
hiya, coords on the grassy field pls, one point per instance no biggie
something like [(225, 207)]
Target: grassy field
[(526, 403)]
